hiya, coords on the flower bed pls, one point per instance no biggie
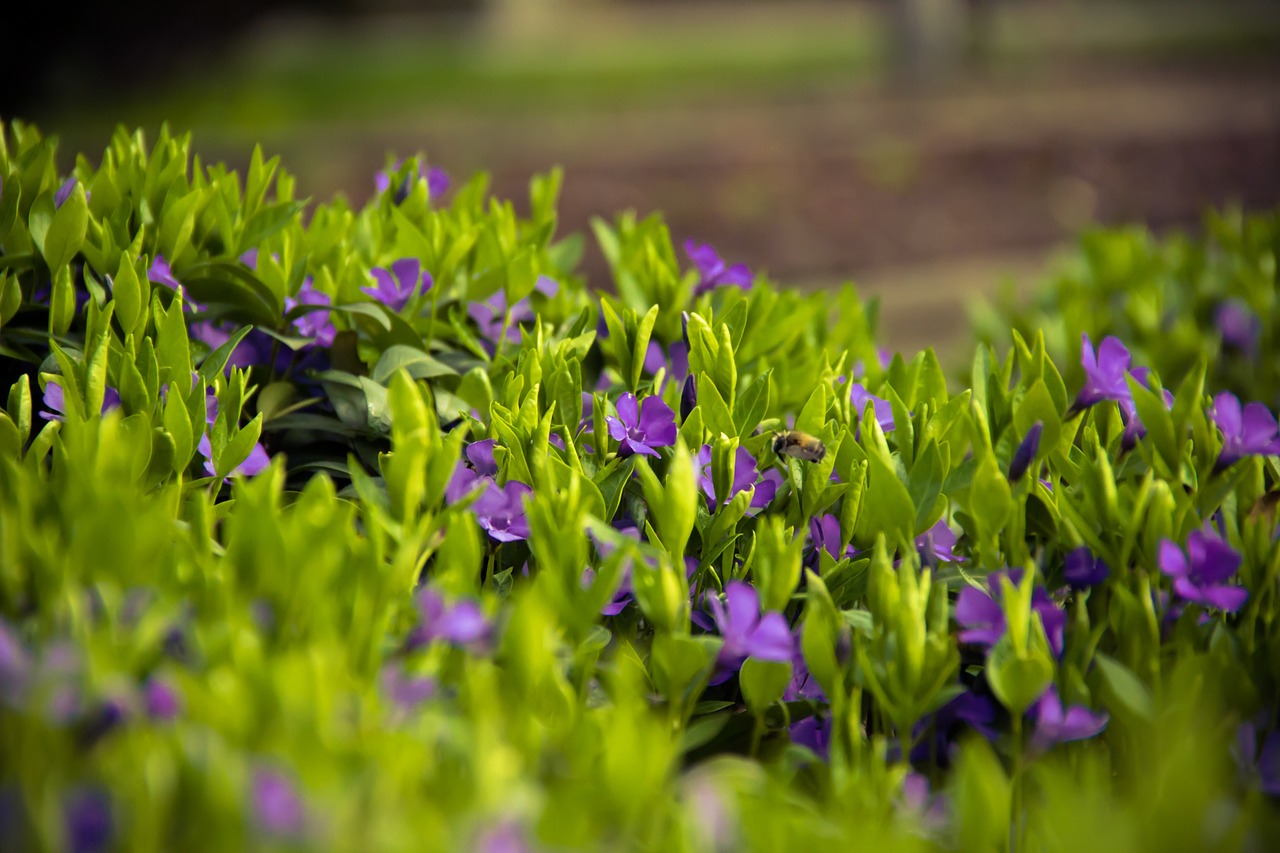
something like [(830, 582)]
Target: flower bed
[(375, 528)]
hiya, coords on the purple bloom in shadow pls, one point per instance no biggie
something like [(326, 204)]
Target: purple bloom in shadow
[(1084, 570), (813, 732), (255, 463), (937, 544), (500, 511), (161, 699), (475, 471), (824, 535), (1104, 372), (712, 270), (1200, 574), (1026, 452), (642, 428), (313, 324), (406, 691), (88, 821), (688, 398), (55, 401), (1239, 326), (1260, 765), (461, 624), (276, 804), (1247, 432), (745, 476), (982, 618), (746, 631), (1056, 724), (937, 736), (883, 410), (397, 285)]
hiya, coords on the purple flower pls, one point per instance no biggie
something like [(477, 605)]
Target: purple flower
[(87, 820), (1104, 372), (313, 324), (64, 192), (937, 545), (642, 428), (406, 691), (982, 617), (813, 732), (160, 273), (968, 711), (745, 476), (56, 403), (481, 469), (276, 804), (927, 808), (1084, 570), (883, 410), (824, 534), (688, 398), (397, 285), (505, 837), (500, 511), (747, 632), (1238, 325), (161, 699), (461, 624), (1026, 452), (859, 368), (1055, 724), (255, 463), (712, 270), (624, 593), (1252, 431), (490, 316), (1200, 575), (1260, 764), (437, 181)]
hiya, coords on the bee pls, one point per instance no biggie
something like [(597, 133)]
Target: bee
[(799, 445)]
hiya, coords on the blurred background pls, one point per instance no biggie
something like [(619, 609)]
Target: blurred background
[(925, 149)]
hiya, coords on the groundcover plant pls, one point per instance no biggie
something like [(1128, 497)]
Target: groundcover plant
[(376, 529)]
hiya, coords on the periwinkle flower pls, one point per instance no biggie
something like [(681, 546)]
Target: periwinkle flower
[(745, 476), (937, 544), (1026, 452), (255, 463), (405, 690), (160, 273), (399, 283), (500, 511), (1056, 724), (625, 593), (713, 272), (1104, 372), (1200, 574), (461, 624), (882, 409), (982, 617), (814, 733), (824, 535), (56, 402), (276, 804), (1248, 432), (937, 736), (161, 699), (476, 470), (87, 820), (1084, 570), (688, 398), (641, 428), (492, 315), (313, 324), (928, 809), (1238, 325), (746, 631)]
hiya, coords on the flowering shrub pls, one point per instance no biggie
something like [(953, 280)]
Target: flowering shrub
[(323, 526)]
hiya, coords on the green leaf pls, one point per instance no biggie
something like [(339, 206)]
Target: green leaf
[(763, 682), (1123, 691), (1019, 681), (415, 362), (267, 222), (238, 447)]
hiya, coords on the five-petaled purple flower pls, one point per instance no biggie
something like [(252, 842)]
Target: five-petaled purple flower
[(937, 545), (461, 623), (713, 272), (1200, 574), (641, 428), (398, 284), (56, 402), (982, 617), (1055, 723), (1084, 570), (500, 511), (313, 324), (1247, 432), (745, 476), (1104, 372), (1239, 326), (824, 535), (276, 803), (883, 410), (746, 631)]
